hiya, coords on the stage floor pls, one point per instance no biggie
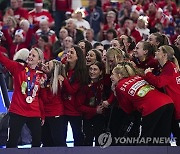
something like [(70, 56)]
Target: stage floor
[(96, 150)]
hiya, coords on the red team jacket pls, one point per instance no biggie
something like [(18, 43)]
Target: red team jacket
[(69, 92), (134, 93), (169, 79), (89, 98), (149, 62), (53, 105), (18, 103)]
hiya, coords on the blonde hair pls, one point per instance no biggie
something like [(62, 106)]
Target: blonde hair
[(126, 69), (58, 69), (13, 19), (118, 54), (170, 54), (40, 53)]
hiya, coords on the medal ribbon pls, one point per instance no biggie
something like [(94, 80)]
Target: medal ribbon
[(30, 85)]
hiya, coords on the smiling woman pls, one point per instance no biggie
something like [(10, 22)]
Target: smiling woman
[(89, 103), (169, 80), (76, 78), (25, 105), (134, 93), (52, 130), (93, 56)]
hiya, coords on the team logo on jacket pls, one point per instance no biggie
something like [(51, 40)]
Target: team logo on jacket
[(136, 86), (132, 92)]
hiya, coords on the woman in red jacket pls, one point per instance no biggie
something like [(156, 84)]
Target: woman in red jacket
[(134, 93), (169, 79), (52, 130), (25, 105), (76, 77), (144, 56), (89, 103)]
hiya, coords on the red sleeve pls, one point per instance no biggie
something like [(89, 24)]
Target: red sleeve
[(25, 13), (3, 50), (81, 98), (43, 94), (111, 98), (42, 98), (163, 79), (158, 81), (70, 88), (123, 101), (8, 37), (136, 35), (28, 37), (174, 9), (51, 20), (41, 106), (11, 65)]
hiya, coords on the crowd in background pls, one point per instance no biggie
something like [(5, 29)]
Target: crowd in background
[(100, 67)]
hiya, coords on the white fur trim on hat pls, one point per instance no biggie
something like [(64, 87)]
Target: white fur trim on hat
[(21, 33), (21, 54), (38, 4)]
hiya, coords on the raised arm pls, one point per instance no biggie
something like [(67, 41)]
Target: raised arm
[(11, 65)]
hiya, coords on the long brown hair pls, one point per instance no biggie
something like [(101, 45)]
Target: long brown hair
[(80, 70)]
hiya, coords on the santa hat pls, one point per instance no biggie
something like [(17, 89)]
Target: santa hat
[(38, 2), (22, 54), (138, 9), (81, 10), (160, 10), (144, 19), (21, 33)]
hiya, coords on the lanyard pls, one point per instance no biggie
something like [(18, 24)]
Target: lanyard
[(30, 84)]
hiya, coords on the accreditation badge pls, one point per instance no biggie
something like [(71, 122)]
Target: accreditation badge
[(92, 101)]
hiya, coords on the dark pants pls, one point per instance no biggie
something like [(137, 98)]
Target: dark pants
[(93, 128), (176, 130), (16, 123), (120, 122), (76, 124), (158, 123), (52, 132)]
